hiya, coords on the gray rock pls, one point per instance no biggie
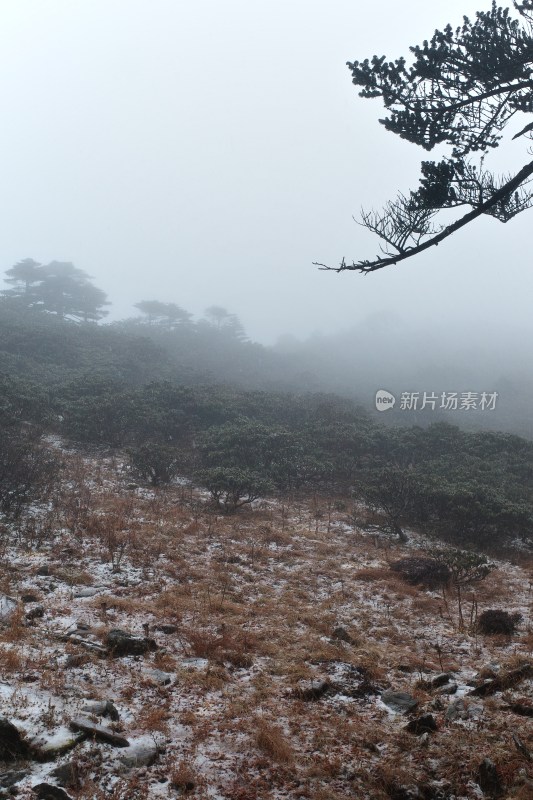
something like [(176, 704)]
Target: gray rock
[(489, 780), (7, 607), (424, 724), (102, 708), (35, 613), (139, 754), (159, 677), (401, 702), (43, 749), (441, 679), (30, 597), (164, 628), (121, 643), (86, 591), (74, 661), (460, 710), (98, 732), (449, 688), (44, 570), (12, 745), (456, 710), (11, 778), (67, 775), (46, 791)]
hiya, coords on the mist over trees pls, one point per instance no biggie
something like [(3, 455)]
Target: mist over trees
[(57, 288), (196, 399)]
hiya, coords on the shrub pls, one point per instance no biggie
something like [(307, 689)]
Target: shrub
[(155, 462), (28, 469), (495, 620), (420, 570)]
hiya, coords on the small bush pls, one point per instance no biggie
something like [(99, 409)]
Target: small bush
[(495, 621), (423, 571)]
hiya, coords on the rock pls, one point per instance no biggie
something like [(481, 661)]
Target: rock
[(122, 643), (49, 747), (12, 745), (164, 628), (102, 708), (67, 775), (74, 661), (504, 680), (460, 710), (44, 570), (159, 677), (46, 791), (441, 679), (98, 732), (313, 691), (11, 778), (401, 702), (488, 779), (86, 591), (449, 688), (524, 709), (342, 635), (7, 607), (424, 724), (139, 754), (35, 613), (29, 598)]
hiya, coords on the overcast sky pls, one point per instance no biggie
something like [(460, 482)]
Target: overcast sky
[(208, 152)]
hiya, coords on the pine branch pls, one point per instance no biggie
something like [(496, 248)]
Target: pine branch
[(501, 194)]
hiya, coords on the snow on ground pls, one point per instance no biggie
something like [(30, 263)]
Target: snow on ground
[(276, 637)]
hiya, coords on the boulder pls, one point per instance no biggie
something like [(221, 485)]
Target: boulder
[(142, 753), (102, 708), (67, 775), (11, 778), (424, 724), (46, 791), (461, 710), (86, 591), (7, 607), (165, 628), (489, 780), (121, 643), (48, 748), (504, 680), (12, 745), (159, 677), (30, 597), (98, 732), (441, 679), (401, 702), (37, 612)]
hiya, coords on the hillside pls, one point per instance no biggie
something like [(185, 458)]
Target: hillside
[(273, 641)]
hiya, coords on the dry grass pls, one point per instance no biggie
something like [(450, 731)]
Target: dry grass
[(259, 596), (272, 741)]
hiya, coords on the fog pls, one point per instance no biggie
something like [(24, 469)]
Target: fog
[(209, 152)]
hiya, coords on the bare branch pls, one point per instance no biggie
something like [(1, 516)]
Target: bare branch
[(489, 206)]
